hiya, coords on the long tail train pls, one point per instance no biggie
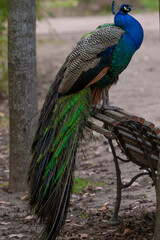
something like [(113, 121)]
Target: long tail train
[(54, 148)]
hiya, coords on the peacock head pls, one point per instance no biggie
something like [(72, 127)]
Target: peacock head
[(126, 8)]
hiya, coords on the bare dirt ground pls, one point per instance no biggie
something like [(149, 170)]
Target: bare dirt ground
[(137, 91)]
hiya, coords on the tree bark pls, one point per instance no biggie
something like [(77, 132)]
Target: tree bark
[(22, 87), (157, 223)]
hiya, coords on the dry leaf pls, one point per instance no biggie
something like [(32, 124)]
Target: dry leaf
[(91, 173), (98, 188), (117, 234), (106, 204), (128, 232), (20, 235), (135, 184), (83, 235), (103, 208), (30, 217), (92, 211), (3, 202), (25, 198), (5, 223), (96, 153)]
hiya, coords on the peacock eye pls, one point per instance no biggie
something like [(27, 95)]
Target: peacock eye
[(125, 8)]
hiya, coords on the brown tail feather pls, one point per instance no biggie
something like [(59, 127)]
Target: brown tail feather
[(96, 96)]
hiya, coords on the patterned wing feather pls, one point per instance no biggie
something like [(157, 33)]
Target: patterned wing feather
[(86, 55)]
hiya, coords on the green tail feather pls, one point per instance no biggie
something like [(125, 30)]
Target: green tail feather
[(52, 165)]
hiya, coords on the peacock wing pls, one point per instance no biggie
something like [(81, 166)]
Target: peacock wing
[(92, 54)]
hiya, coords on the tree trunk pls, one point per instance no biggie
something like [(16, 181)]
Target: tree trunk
[(157, 223), (22, 87)]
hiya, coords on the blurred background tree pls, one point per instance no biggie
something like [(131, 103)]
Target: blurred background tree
[(54, 8), (3, 49), (85, 7), (3, 46)]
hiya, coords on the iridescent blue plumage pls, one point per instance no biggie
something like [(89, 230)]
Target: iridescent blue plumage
[(124, 50), (132, 27)]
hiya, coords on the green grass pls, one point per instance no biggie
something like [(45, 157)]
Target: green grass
[(83, 215), (81, 183), (152, 5), (65, 3), (5, 184), (49, 5), (61, 3)]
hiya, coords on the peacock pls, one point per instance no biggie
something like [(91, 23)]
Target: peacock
[(92, 67)]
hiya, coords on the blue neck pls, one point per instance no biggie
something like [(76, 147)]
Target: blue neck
[(131, 26)]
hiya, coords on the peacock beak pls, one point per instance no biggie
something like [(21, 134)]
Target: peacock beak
[(133, 8)]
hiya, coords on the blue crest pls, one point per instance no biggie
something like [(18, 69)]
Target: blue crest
[(112, 9)]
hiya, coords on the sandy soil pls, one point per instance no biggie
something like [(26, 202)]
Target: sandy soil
[(137, 91)]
